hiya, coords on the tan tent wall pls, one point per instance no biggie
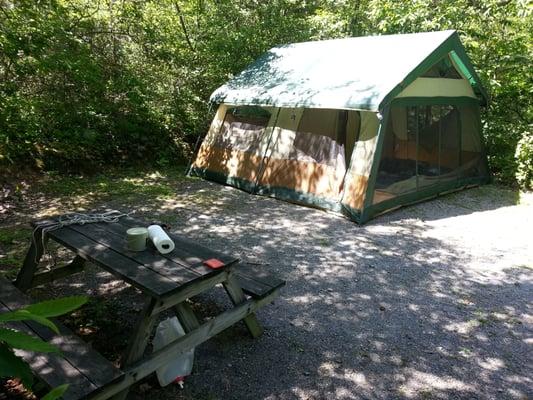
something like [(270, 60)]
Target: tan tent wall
[(294, 153), (356, 180), (222, 153), (438, 87)]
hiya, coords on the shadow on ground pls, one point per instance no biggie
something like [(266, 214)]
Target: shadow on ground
[(423, 303)]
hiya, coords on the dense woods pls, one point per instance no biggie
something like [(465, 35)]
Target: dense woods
[(88, 83)]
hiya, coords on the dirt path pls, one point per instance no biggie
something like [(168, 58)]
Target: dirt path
[(433, 301)]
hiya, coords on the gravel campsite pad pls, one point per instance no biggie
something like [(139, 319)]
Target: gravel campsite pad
[(433, 301)]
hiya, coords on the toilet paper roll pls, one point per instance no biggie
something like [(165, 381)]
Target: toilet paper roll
[(160, 239)]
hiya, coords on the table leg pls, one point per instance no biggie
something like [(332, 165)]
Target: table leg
[(186, 316), (236, 295), (139, 340), (31, 261)]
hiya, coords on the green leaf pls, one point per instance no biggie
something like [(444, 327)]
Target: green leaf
[(23, 315), (20, 340), (56, 392), (12, 366), (53, 308)]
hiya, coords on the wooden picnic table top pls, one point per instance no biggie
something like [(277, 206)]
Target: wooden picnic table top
[(104, 243)]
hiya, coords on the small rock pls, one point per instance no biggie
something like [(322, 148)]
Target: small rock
[(144, 387)]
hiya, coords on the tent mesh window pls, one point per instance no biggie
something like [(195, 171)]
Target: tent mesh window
[(425, 145), (243, 128), (443, 69), (317, 138), (397, 168)]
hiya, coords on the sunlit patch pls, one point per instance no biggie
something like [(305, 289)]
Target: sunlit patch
[(418, 382), (306, 299), (304, 394), (463, 327), (491, 363), (331, 369)]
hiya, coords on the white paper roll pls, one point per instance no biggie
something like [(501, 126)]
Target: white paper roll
[(161, 241)]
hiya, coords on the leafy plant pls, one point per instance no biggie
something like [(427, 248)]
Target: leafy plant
[(10, 339), (524, 158)]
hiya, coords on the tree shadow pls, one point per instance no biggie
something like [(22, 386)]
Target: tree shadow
[(381, 311), (393, 309)]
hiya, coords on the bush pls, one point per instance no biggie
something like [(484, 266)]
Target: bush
[(86, 83), (524, 158)]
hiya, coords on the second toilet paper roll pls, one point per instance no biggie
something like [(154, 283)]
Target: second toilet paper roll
[(160, 239)]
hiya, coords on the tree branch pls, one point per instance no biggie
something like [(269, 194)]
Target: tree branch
[(182, 21)]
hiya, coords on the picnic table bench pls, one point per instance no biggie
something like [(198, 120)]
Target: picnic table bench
[(166, 282)]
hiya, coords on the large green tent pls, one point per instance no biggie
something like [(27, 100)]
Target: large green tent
[(357, 125)]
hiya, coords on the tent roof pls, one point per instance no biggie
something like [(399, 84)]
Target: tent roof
[(353, 73)]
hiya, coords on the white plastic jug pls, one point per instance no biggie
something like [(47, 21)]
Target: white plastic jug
[(167, 331)]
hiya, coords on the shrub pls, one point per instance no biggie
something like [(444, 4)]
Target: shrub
[(524, 158)]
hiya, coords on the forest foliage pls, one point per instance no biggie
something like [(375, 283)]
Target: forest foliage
[(87, 83)]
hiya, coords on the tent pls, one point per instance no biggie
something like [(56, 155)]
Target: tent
[(357, 125)]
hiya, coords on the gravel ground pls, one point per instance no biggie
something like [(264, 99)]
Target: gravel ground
[(433, 301)]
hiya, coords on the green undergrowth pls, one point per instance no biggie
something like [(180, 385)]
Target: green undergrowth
[(14, 242), (53, 193), (118, 184)]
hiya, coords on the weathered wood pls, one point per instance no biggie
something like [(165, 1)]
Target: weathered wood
[(257, 282), (77, 364), (207, 330), (31, 261), (75, 266), (188, 247), (138, 342), (186, 316), (151, 260), (179, 255), (114, 262), (237, 297), (189, 291)]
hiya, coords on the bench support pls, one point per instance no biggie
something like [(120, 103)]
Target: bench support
[(34, 255), (75, 266), (237, 297), (138, 341), (186, 316), (149, 364)]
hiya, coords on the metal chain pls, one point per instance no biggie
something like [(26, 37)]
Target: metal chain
[(74, 218)]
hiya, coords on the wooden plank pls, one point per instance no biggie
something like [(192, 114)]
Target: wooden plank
[(31, 261), (187, 253), (115, 263), (75, 266), (257, 282), (237, 297), (151, 260), (178, 255), (186, 316), (204, 332), (78, 364), (188, 246)]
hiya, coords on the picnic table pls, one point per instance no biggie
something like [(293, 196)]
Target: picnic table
[(165, 281)]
